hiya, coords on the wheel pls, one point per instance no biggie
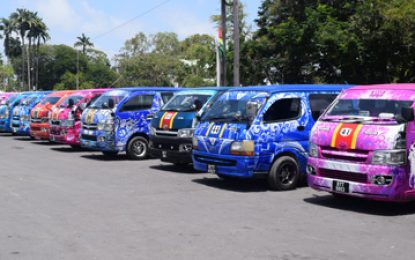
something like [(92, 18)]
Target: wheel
[(137, 148), (284, 174), (109, 153)]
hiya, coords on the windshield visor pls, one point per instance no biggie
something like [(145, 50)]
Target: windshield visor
[(183, 103), (367, 108), (232, 106), (103, 101)]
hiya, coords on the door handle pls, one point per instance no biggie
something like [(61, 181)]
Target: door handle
[(300, 128)]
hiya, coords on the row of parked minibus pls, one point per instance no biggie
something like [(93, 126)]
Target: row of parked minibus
[(355, 141)]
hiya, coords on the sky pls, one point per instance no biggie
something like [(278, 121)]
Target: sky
[(67, 19)]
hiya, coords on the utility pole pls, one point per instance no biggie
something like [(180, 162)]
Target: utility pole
[(77, 69), (236, 58), (223, 63)]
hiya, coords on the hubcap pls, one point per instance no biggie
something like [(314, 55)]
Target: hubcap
[(287, 174), (138, 148)]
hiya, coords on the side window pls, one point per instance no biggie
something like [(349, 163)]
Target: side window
[(319, 102), (139, 102), (166, 96), (283, 110)]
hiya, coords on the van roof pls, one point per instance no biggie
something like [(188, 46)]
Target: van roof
[(293, 88), (132, 89), (393, 86)]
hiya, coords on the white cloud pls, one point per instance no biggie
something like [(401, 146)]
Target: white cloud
[(58, 14), (185, 23)]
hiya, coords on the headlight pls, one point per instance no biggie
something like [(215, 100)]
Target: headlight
[(195, 143), (100, 126), (185, 133), (243, 148), (313, 150), (389, 157), (152, 130)]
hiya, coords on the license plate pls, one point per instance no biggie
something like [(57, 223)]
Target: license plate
[(164, 154), (341, 186), (211, 168), (87, 142)]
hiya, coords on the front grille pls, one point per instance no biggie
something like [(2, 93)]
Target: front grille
[(54, 132), (15, 125), (347, 155), (55, 122), (166, 133), (342, 175), (89, 127), (89, 137), (214, 160), (36, 120)]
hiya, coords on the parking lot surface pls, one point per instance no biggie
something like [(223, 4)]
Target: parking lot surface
[(56, 203)]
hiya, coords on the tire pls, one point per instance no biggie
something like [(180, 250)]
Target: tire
[(284, 174), (109, 154), (137, 148)]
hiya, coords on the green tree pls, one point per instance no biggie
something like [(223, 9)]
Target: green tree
[(84, 42)]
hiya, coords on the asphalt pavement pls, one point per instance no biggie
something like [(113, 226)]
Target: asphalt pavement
[(57, 203)]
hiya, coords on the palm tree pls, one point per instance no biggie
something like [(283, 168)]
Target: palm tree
[(7, 28), (38, 32), (21, 21), (83, 41)]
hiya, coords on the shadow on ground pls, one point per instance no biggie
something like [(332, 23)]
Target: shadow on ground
[(22, 138), (45, 143), (69, 149), (102, 157), (236, 185), (182, 169), (363, 206)]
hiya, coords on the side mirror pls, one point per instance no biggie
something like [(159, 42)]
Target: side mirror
[(111, 103), (71, 103), (82, 106), (407, 114)]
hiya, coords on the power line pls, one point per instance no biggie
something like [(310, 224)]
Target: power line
[(134, 18)]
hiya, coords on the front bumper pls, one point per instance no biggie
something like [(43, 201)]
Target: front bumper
[(64, 135), (40, 131), (20, 127), (171, 149), (98, 140), (231, 165), (397, 190)]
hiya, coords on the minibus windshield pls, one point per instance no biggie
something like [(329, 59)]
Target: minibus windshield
[(103, 101), (367, 108), (50, 100), (75, 99), (233, 106), (189, 102)]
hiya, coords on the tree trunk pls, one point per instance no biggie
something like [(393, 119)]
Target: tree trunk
[(23, 60), (37, 62), (28, 64)]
